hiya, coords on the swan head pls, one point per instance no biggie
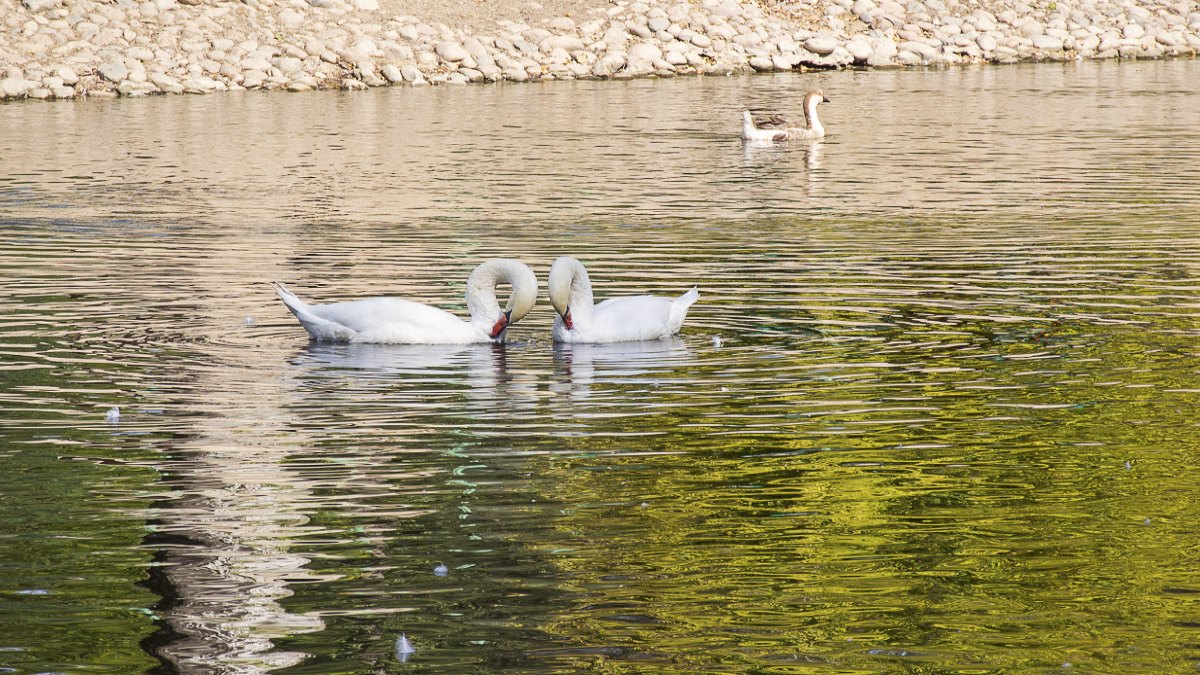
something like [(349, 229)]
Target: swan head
[(814, 97), (560, 283)]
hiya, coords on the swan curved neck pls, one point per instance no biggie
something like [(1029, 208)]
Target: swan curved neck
[(581, 292), (481, 290), (571, 288), (481, 294)]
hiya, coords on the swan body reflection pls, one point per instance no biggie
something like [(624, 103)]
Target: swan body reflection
[(584, 365)]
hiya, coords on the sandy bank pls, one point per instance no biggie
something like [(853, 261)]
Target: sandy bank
[(70, 48)]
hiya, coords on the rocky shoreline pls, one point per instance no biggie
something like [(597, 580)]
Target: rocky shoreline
[(63, 49)]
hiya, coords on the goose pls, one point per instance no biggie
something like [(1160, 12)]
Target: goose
[(643, 317), (398, 321), (777, 128)]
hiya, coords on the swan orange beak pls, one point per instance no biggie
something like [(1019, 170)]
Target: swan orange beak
[(567, 319), (501, 325)]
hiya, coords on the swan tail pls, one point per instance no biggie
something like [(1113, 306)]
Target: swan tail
[(679, 308), (318, 329), (688, 299)]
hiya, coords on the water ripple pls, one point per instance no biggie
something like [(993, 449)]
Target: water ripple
[(934, 404)]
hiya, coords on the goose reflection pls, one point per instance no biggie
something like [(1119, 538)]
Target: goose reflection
[(783, 156), (580, 366)]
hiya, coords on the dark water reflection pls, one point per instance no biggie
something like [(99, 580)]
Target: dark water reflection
[(934, 410)]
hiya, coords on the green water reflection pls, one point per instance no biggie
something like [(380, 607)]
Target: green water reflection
[(965, 518)]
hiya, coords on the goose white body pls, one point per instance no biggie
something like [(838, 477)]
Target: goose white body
[(399, 321), (643, 317), (776, 128)]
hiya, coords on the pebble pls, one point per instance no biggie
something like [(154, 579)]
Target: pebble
[(132, 48)]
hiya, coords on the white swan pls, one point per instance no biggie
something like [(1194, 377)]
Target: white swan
[(397, 321), (644, 317), (777, 128)]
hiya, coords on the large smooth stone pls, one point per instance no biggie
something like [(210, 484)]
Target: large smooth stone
[(450, 51), (1048, 42), (921, 49), (13, 87), (411, 73), (821, 45), (290, 18), (170, 85), (859, 49), (567, 43), (113, 71), (644, 51), (391, 73)]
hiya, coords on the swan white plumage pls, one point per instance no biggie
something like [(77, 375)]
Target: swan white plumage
[(643, 317), (398, 321), (778, 128)]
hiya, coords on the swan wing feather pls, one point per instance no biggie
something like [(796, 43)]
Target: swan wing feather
[(642, 317), (381, 320)]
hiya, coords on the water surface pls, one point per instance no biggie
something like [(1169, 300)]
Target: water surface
[(934, 411)]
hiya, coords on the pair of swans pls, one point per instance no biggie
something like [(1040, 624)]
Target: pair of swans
[(579, 318), (779, 128)]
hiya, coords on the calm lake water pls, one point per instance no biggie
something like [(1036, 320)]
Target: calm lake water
[(934, 412)]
